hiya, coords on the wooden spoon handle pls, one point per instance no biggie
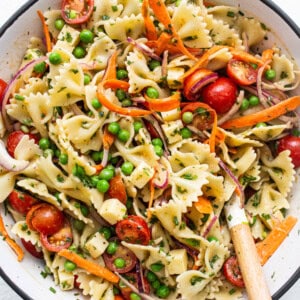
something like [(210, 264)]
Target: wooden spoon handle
[(249, 263)]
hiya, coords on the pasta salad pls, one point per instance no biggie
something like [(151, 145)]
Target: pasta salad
[(125, 132)]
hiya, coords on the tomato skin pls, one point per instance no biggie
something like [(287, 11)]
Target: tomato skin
[(59, 240), (133, 230), (21, 202), (117, 189), (232, 272), (14, 138), (291, 143), (45, 218), (220, 95), (241, 72), (84, 8), (3, 86), (32, 249)]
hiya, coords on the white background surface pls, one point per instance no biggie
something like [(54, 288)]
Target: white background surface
[(10, 6)]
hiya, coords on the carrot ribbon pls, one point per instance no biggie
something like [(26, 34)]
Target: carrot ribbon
[(46, 31)]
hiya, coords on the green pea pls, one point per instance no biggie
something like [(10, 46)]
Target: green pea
[(185, 133), (86, 36), (253, 100), (57, 153), (122, 74), (134, 296), (110, 167), (44, 143), (73, 248), (119, 263), (106, 174), (106, 232), (86, 79), (156, 267), (153, 64), (84, 210), (112, 248), (55, 58), (127, 168), (261, 124), (151, 276), (152, 92), (155, 284), (163, 291), (63, 158), (102, 186), (48, 152), (114, 127), (157, 142), (78, 171), (270, 74), (121, 94), (59, 24), (40, 68), (96, 103), (137, 125), (94, 180), (159, 151), (78, 224), (123, 135), (187, 117), (212, 238), (97, 156), (79, 52), (245, 104), (126, 103), (69, 266)]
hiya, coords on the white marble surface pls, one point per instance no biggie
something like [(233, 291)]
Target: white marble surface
[(9, 7)]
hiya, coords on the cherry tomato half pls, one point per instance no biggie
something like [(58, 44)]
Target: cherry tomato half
[(14, 138), (220, 95), (232, 272), (117, 189), (133, 279), (3, 86), (59, 240), (133, 230), (241, 72), (121, 252), (45, 218), (32, 249), (291, 143), (21, 202), (77, 11)]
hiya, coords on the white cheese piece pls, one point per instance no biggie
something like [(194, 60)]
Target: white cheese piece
[(141, 175), (179, 261), (172, 131), (173, 78), (171, 115), (66, 280), (96, 245), (112, 210), (68, 38)]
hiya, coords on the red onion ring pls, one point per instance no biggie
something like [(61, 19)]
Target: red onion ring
[(162, 180), (140, 281), (210, 225)]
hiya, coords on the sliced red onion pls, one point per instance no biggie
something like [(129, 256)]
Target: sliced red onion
[(164, 64), (139, 99), (9, 163), (190, 251), (140, 281), (236, 181), (76, 110), (210, 225), (245, 41), (144, 49), (89, 67), (161, 179), (105, 157), (11, 85), (97, 217), (259, 81)]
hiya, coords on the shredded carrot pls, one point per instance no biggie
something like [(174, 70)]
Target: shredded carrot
[(108, 138), (89, 266), (46, 31), (246, 56), (161, 43), (269, 245), (265, 115), (214, 132), (116, 84), (149, 26), (111, 68), (203, 205), (98, 168), (164, 104), (12, 244), (267, 55)]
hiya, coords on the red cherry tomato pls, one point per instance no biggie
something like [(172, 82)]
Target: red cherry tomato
[(45, 218), (59, 240), (32, 249), (3, 86), (133, 279), (220, 95), (77, 11), (133, 230), (117, 189), (196, 81), (291, 143), (241, 72), (14, 138), (232, 272), (21, 202), (121, 252)]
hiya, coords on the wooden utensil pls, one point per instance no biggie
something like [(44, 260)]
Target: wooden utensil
[(246, 253)]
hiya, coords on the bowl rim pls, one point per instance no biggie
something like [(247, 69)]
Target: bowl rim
[(273, 6)]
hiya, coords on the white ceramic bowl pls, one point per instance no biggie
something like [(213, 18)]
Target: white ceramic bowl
[(282, 270)]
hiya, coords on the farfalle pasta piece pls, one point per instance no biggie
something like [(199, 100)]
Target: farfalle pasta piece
[(21, 230), (50, 17), (228, 14), (130, 7), (27, 149), (7, 179), (219, 59)]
